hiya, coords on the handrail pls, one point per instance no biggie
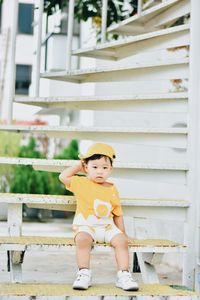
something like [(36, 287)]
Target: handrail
[(12, 68), (38, 51), (70, 33), (104, 20), (139, 7)]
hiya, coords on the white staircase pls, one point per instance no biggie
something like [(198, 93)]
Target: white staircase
[(154, 183), (4, 47)]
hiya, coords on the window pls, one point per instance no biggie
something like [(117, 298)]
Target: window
[(25, 18), (23, 79)]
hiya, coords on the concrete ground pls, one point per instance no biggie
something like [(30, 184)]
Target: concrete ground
[(61, 267)]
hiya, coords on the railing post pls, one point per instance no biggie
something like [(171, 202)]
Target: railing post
[(139, 7), (104, 20), (38, 49), (193, 215), (70, 33), (12, 66)]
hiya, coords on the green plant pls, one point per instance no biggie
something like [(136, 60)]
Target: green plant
[(9, 147), (24, 178), (85, 9), (69, 152)]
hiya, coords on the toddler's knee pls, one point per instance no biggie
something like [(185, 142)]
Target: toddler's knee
[(120, 241), (83, 239)]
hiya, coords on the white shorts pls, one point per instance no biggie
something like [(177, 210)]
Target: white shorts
[(99, 233)]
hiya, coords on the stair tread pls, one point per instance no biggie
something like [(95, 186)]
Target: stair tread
[(70, 200), (46, 128), (113, 45), (84, 75), (47, 242), (66, 163), (145, 15), (117, 98), (52, 289)]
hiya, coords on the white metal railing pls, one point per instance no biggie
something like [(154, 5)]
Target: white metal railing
[(11, 65), (36, 77), (193, 214), (5, 39), (70, 33), (104, 20), (39, 45)]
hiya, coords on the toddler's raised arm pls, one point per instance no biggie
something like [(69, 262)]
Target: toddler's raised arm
[(66, 174)]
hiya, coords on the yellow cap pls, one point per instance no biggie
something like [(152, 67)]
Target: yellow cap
[(99, 148)]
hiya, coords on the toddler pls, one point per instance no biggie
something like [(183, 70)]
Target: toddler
[(98, 216)]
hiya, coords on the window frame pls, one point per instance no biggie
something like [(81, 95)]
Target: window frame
[(20, 25)]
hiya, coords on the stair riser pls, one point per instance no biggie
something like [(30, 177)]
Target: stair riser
[(151, 187), (122, 173), (139, 44), (163, 42), (157, 105), (168, 12), (181, 9), (143, 74), (174, 70)]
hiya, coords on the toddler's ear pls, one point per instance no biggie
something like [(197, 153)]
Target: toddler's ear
[(84, 165)]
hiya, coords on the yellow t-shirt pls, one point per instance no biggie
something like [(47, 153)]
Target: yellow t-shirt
[(96, 204)]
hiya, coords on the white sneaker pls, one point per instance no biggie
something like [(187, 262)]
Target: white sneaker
[(83, 280), (126, 282)]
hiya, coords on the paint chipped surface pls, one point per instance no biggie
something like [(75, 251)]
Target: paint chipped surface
[(95, 290)]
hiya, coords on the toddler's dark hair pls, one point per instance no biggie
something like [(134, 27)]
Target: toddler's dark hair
[(97, 156)]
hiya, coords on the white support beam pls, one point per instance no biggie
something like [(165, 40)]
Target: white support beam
[(14, 219), (139, 7), (190, 262), (38, 47), (70, 33), (149, 274), (12, 67), (104, 20)]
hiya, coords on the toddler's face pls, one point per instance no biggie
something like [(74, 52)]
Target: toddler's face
[(98, 170)]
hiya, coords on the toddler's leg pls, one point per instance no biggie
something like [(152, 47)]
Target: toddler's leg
[(83, 242), (120, 244), (125, 280)]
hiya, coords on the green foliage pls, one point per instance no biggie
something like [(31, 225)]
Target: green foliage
[(49, 6), (9, 143), (9, 147), (26, 180), (85, 9), (70, 152)]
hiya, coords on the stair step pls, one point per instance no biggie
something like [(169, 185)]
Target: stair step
[(108, 103), (170, 137), (161, 15), (58, 165), (44, 289), (64, 201), (158, 208), (52, 243), (152, 70), (160, 39)]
